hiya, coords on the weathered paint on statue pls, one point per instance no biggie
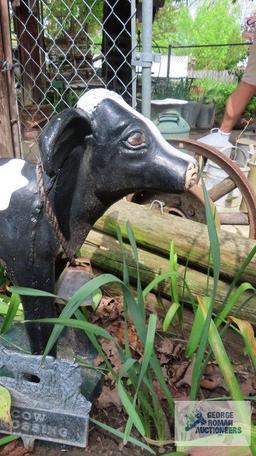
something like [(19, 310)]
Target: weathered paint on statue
[(92, 156)]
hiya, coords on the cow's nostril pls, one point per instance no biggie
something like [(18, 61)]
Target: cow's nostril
[(191, 175)]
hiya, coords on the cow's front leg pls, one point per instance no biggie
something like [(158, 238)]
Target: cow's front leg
[(41, 277)]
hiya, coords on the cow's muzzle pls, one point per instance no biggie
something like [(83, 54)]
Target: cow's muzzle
[(191, 175)]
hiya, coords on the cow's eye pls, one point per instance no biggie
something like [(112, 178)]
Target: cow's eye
[(136, 140)]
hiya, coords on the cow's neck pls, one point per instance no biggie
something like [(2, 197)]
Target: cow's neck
[(75, 204)]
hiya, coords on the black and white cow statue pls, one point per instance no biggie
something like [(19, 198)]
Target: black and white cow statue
[(91, 156)]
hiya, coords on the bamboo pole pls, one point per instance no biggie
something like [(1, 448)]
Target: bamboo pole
[(154, 231), (105, 253)]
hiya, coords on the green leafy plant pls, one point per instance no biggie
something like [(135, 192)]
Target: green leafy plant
[(174, 88), (210, 23), (218, 92), (136, 378)]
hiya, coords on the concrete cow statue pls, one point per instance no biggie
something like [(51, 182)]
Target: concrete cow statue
[(91, 157)]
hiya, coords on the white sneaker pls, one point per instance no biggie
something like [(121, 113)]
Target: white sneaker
[(217, 139)]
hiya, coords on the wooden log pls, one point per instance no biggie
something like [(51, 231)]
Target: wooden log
[(234, 218), (221, 189), (105, 253), (12, 97), (154, 231), (6, 143)]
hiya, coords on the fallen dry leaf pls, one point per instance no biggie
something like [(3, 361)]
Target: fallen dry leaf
[(7, 449), (14, 449), (212, 378), (178, 370), (163, 359), (178, 349), (111, 352), (212, 383), (187, 379), (181, 394), (248, 387), (165, 346), (117, 329), (165, 372), (109, 309), (108, 398), (97, 361)]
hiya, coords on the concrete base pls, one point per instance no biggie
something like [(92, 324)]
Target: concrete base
[(73, 345)]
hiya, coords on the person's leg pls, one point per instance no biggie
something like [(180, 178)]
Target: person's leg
[(236, 104)]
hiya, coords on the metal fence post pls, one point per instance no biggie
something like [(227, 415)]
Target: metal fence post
[(147, 18), (168, 64), (134, 45)]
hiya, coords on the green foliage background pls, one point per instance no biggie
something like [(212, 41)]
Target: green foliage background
[(68, 15), (213, 22)]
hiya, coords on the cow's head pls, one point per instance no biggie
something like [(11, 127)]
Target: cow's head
[(125, 152)]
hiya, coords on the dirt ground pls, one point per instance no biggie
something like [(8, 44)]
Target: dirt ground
[(99, 442)]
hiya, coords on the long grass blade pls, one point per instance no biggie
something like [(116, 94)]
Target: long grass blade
[(129, 363), (126, 281), (121, 435), (215, 251), (173, 309), (11, 313), (239, 273), (247, 334), (24, 291), (84, 325), (173, 265), (159, 416), (125, 267), (8, 439), (195, 334), (149, 346), (221, 355), (130, 408), (154, 363), (148, 351), (226, 368), (93, 339), (231, 301), (132, 241), (75, 301), (156, 281)]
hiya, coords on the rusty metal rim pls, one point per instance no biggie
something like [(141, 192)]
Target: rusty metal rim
[(231, 168)]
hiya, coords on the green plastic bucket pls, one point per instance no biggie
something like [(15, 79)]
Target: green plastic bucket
[(172, 125)]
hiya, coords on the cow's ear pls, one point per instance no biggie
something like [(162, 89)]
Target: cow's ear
[(64, 132)]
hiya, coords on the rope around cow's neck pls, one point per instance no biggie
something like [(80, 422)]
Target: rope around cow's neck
[(51, 217)]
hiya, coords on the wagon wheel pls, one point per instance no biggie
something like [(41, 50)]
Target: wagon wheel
[(191, 204)]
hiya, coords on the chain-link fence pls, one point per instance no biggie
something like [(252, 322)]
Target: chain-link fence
[(63, 48)]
